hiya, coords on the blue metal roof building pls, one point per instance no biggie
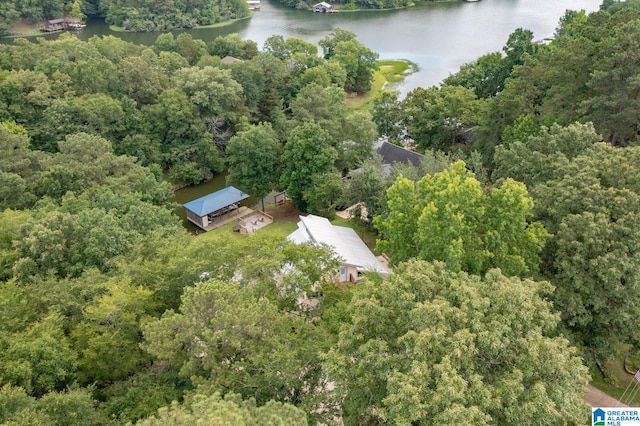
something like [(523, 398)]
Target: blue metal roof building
[(204, 209)]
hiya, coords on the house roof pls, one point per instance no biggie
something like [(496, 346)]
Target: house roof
[(230, 59), (323, 4), (215, 201), (395, 154), (56, 21), (344, 242)]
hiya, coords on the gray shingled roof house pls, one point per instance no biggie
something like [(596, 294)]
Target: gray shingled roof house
[(396, 154)]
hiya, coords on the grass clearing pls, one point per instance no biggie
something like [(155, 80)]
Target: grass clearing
[(285, 218), (395, 71), (22, 28), (618, 382), (389, 71), (364, 102)]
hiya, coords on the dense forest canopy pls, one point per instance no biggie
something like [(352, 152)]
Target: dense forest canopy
[(513, 245)]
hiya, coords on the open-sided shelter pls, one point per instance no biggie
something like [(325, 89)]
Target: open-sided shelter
[(214, 206)]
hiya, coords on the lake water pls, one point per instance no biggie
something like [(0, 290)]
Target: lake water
[(438, 36)]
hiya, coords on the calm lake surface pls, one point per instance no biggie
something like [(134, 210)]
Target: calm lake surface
[(439, 37)]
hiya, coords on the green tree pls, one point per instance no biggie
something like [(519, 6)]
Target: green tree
[(74, 408), (165, 43), (538, 158), (448, 217), (387, 114), (357, 136), (38, 359), (359, 62), (275, 78), (254, 159), (615, 82), (189, 48), (368, 185), (485, 76), (144, 83), (324, 106), (308, 152), (228, 410), (100, 115), (325, 192), (592, 208), (427, 346), (108, 337), (519, 43), (229, 338), (330, 42), (230, 45), (8, 15), (214, 92), (249, 75), (434, 117), (76, 10)]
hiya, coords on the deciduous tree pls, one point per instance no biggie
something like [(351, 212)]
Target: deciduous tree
[(434, 117), (308, 152), (254, 160), (430, 346), (448, 217)]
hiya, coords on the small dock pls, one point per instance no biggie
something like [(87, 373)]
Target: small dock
[(324, 7), (67, 23)]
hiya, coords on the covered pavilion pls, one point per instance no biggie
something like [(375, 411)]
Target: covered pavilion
[(216, 209)]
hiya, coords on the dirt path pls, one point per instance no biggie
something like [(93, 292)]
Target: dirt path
[(596, 398)]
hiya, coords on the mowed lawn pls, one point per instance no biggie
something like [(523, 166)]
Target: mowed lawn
[(389, 71)]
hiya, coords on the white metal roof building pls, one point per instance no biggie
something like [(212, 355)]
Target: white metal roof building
[(344, 241)]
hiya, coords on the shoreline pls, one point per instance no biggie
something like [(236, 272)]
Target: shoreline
[(118, 29), (412, 4), (36, 31)]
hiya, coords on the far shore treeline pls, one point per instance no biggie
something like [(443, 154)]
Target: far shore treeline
[(141, 15)]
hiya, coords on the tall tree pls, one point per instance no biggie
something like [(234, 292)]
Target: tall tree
[(448, 217), (213, 91), (231, 339), (593, 210), (308, 152), (254, 159), (430, 346), (358, 61), (322, 105), (615, 81), (538, 158), (485, 76), (435, 117), (229, 410), (108, 337)]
